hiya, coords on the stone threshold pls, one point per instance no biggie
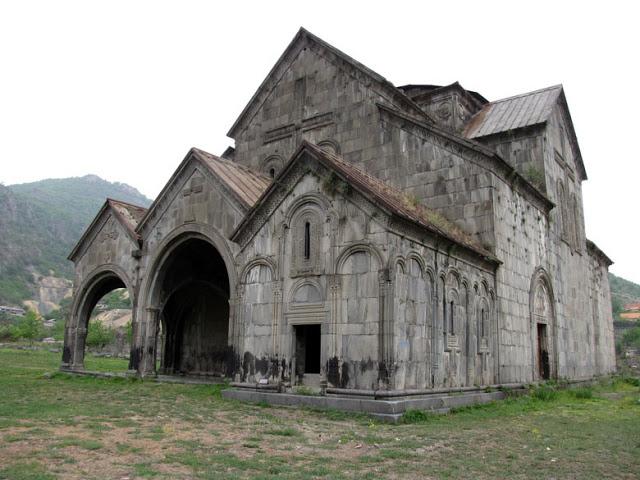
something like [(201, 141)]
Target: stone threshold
[(389, 410)]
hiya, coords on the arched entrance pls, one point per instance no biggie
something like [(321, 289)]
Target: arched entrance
[(543, 328), (99, 284), (192, 291)]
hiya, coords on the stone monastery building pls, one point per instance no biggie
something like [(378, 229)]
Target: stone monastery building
[(362, 236)]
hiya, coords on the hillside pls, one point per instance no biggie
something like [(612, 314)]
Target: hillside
[(625, 289), (39, 224)]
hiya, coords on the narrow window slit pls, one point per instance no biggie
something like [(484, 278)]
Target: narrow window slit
[(307, 241), (451, 318)]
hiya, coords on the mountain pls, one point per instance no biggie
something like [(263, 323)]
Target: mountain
[(623, 292), (40, 222)]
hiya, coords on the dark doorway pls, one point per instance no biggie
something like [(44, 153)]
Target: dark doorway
[(307, 349), (543, 353), (195, 315)]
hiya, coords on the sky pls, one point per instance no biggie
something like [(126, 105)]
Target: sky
[(123, 89)]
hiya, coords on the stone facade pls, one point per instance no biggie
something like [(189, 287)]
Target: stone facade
[(365, 237)]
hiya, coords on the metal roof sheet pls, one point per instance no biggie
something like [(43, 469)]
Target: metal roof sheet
[(514, 112)]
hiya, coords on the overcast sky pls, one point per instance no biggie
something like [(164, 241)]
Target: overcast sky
[(123, 89)]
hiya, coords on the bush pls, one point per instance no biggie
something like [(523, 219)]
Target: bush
[(633, 381), (29, 327), (416, 416), (6, 333), (57, 331), (99, 335), (631, 338), (582, 393), (545, 393)]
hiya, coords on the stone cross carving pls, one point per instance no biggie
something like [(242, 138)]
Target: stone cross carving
[(191, 197), (297, 128)]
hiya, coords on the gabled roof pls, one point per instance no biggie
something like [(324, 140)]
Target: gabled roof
[(388, 198), (596, 252), (514, 112), (289, 54), (525, 110), (127, 214), (242, 183), (414, 91), (247, 184)]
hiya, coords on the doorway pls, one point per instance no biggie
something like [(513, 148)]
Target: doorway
[(307, 352), (543, 352), (195, 311)]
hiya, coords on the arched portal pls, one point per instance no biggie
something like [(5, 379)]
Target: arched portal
[(99, 284), (192, 290), (543, 327)]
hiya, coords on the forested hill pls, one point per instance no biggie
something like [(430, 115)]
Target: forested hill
[(623, 292), (40, 222)]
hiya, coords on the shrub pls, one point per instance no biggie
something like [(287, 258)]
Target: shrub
[(57, 331), (416, 416), (545, 393), (631, 338), (633, 381), (28, 327), (582, 392), (99, 335)]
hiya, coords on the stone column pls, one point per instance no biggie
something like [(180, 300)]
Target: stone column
[(78, 350), (437, 335), (147, 366), (67, 350), (135, 352), (385, 347)]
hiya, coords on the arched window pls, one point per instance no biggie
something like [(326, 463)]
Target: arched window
[(451, 318), (561, 209), (306, 228), (444, 314), (307, 240), (272, 165), (577, 224)]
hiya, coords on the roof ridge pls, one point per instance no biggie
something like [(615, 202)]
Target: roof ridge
[(423, 214), (226, 161), (122, 202), (526, 94)]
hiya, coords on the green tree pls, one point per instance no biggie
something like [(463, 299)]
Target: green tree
[(617, 305), (29, 327), (631, 338), (99, 335)]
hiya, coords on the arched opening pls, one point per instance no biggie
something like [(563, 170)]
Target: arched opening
[(193, 286), (543, 328), (100, 320)]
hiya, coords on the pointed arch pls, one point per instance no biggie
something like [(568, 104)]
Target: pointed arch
[(543, 327)]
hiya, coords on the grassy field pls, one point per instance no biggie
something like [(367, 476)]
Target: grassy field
[(60, 426)]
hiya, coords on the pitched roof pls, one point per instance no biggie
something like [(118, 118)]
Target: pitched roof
[(383, 195), (287, 56), (596, 252), (246, 183), (513, 112), (632, 306), (127, 214)]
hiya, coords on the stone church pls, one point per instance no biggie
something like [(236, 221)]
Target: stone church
[(362, 237)]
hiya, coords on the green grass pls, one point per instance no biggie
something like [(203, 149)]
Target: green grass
[(60, 426)]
